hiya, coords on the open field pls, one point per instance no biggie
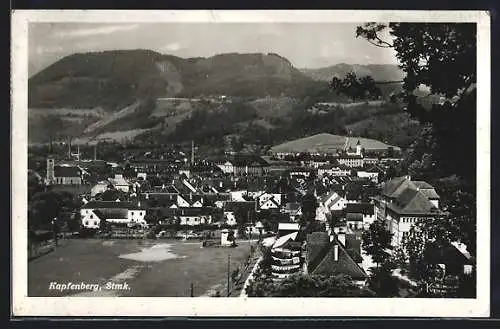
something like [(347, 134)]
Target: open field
[(328, 143), (150, 268)]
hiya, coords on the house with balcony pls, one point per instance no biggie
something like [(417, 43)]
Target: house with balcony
[(286, 252)]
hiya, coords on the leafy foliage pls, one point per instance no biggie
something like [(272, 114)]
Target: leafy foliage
[(447, 145), (377, 241), (45, 206), (382, 282), (356, 88), (307, 286), (309, 204)]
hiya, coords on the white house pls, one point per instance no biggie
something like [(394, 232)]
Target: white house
[(269, 201), (229, 218), (120, 183), (194, 220), (92, 213), (403, 202), (237, 195), (333, 170), (226, 167), (99, 188), (373, 176), (333, 201), (189, 201), (194, 216)]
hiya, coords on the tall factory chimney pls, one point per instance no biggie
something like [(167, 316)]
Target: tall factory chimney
[(95, 151), (69, 148), (50, 171), (192, 153)]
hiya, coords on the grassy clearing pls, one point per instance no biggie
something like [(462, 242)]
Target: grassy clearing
[(98, 261)]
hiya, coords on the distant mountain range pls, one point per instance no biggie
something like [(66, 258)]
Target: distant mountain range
[(379, 72), (114, 79), (128, 93)]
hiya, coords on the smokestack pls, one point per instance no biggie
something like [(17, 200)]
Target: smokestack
[(78, 148), (192, 152), (69, 148), (95, 151)]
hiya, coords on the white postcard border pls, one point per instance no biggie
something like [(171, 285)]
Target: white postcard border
[(293, 307)]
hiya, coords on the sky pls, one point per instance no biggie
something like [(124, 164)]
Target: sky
[(306, 45)]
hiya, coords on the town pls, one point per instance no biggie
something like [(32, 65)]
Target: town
[(344, 211), (241, 165)]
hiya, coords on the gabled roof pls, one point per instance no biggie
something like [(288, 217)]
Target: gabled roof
[(447, 254), (242, 160), (390, 187), (353, 247), (284, 239), (430, 193), (171, 189), (326, 197), (109, 205), (413, 202), (324, 261), (193, 211), (105, 214)]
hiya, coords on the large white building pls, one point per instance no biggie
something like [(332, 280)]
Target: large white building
[(402, 202), (92, 213)]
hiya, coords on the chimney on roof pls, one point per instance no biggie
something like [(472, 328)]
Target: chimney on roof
[(336, 252), (341, 237)]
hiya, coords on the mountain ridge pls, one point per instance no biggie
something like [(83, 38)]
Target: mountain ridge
[(90, 94), (379, 72), (113, 79)]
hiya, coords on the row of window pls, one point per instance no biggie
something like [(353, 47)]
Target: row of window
[(62, 180), (92, 216), (408, 219)]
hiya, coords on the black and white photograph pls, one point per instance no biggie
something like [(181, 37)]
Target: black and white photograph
[(223, 159)]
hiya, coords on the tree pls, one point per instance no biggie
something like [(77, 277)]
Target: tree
[(382, 282), (376, 242), (301, 285), (447, 144), (45, 206), (309, 204), (362, 88)]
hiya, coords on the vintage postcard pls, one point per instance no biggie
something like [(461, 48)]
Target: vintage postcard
[(251, 163)]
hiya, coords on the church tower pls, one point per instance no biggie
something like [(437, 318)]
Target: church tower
[(50, 171), (358, 148)]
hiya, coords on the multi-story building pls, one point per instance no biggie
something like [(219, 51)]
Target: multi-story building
[(243, 165), (62, 175), (92, 213), (403, 202)]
